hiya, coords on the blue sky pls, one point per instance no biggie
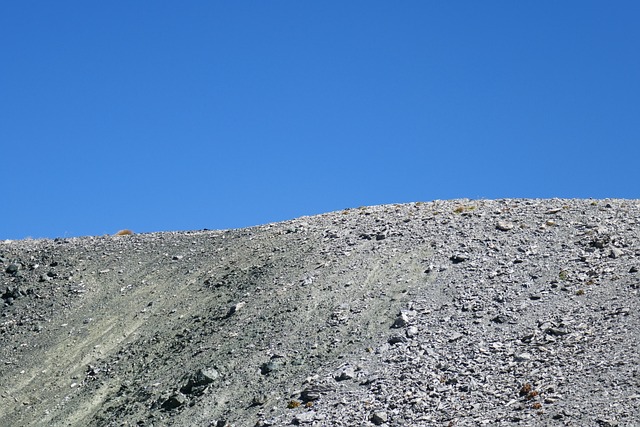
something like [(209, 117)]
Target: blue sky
[(166, 115)]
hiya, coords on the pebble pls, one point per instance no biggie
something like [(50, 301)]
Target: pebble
[(522, 357), (304, 418), (401, 321), (458, 258), (616, 253), (504, 226), (455, 336), (396, 339), (269, 367), (346, 373), (412, 331)]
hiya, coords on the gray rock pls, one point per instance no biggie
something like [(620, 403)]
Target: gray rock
[(345, 373), (379, 418), (304, 417), (504, 226), (235, 308), (607, 422), (616, 253), (314, 392), (412, 331), (259, 399), (396, 339), (13, 269), (458, 258), (455, 336), (199, 381), (401, 321), (522, 357), (269, 367), (174, 401)]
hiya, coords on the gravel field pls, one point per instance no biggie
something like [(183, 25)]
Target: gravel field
[(513, 312)]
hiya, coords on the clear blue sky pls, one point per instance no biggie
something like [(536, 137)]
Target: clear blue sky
[(167, 115)]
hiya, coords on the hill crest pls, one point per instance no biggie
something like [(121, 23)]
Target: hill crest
[(447, 312)]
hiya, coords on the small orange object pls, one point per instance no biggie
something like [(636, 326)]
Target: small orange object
[(124, 233)]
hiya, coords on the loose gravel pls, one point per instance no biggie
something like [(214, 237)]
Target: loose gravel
[(513, 312)]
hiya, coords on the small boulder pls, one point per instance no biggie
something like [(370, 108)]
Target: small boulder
[(174, 401), (198, 382), (12, 269), (379, 418)]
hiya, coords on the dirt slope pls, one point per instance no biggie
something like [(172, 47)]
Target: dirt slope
[(452, 313)]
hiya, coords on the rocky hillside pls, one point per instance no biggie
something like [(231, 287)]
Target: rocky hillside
[(447, 313)]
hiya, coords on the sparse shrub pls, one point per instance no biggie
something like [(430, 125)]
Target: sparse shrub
[(525, 389), (293, 404), (462, 209)]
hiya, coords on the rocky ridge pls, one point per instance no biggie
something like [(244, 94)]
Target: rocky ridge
[(509, 312)]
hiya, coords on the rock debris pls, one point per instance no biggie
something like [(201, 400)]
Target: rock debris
[(513, 312)]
